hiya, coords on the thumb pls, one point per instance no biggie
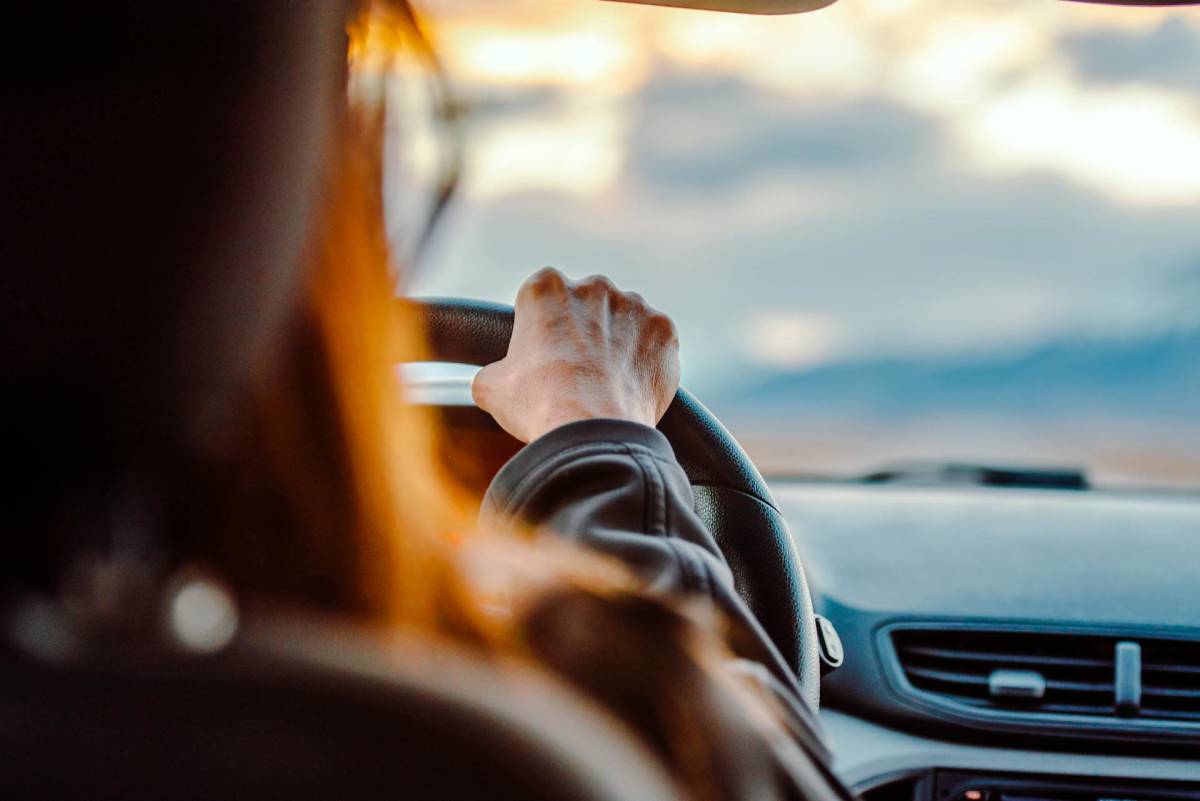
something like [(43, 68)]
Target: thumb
[(484, 384)]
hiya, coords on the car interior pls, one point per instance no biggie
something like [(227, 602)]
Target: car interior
[(980, 632), (990, 636), (970, 632)]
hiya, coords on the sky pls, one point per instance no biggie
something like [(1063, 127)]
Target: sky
[(904, 196)]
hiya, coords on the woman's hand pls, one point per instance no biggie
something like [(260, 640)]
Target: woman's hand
[(580, 350)]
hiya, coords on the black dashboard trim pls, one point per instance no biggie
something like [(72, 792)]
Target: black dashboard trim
[(868, 754)]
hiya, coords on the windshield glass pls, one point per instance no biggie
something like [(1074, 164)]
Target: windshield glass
[(889, 230)]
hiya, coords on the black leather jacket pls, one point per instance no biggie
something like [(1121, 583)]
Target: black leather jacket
[(616, 488)]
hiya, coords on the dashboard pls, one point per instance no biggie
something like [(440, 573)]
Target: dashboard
[(1006, 644)]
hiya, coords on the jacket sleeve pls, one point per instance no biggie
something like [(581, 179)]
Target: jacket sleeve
[(615, 487)]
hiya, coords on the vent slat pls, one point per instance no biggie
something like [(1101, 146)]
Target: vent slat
[(1185, 669), (948, 676), (1170, 714), (1171, 692), (1005, 658), (978, 680), (1077, 709), (1079, 686), (1160, 667)]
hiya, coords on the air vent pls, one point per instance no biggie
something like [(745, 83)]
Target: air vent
[(1017, 671), (1038, 673)]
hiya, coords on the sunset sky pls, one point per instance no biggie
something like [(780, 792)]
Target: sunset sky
[(914, 181)]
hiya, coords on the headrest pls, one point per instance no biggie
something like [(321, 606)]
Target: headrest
[(296, 710)]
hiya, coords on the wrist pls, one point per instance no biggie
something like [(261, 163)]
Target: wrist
[(565, 413)]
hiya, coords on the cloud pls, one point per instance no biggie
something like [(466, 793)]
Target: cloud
[(794, 341), (734, 205), (1018, 86), (1167, 54), (568, 148), (925, 217), (718, 133), (1135, 144)]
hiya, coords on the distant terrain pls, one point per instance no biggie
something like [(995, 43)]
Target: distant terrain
[(1129, 410)]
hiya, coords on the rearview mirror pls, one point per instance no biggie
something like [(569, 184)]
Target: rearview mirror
[(740, 6)]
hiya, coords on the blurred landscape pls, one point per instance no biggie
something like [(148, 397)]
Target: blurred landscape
[(890, 230), (1127, 411)]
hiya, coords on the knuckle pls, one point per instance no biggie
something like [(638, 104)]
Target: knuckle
[(601, 282), (661, 326), (481, 385), (479, 389), (545, 283), (546, 279), (596, 285)]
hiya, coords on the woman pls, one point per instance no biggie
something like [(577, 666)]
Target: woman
[(200, 329)]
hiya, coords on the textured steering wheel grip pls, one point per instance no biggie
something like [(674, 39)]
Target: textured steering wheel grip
[(731, 496)]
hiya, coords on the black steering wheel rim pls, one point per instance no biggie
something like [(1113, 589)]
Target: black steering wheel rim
[(731, 496)]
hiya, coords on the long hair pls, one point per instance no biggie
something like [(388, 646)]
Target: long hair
[(334, 492), (334, 496)]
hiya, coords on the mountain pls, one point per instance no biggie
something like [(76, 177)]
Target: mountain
[(1150, 379)]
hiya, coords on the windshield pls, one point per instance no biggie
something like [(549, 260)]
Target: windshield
[(891, 230)]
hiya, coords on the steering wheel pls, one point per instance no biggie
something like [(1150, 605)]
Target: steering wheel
[(731, 496)]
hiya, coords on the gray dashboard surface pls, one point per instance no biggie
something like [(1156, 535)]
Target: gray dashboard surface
[(1071, 558)]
